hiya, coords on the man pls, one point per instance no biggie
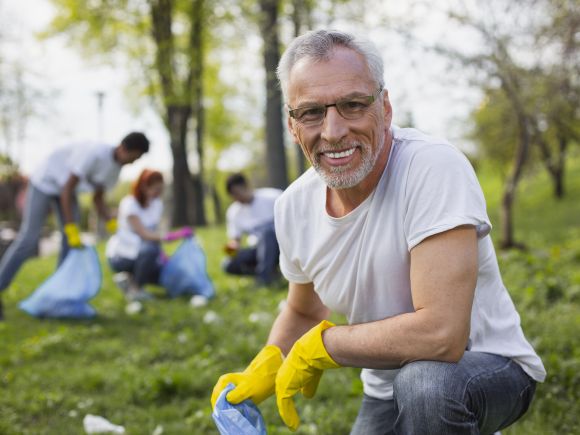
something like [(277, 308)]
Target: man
[(390, 229), (64, 173), (251, 214)]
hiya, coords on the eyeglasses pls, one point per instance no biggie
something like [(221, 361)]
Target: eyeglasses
[(350, 108)]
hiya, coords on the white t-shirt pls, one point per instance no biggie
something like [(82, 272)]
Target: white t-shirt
[(246, 218), (125, 242), (93, 164), (360, 263)]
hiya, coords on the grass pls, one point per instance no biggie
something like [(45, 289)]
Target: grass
[(158, 368)]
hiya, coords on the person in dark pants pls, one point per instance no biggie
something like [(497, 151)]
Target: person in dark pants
[(389, 229), (134, 250), (67, 171), (252, 215)]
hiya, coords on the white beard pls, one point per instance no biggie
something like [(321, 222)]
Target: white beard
[(343, 177)]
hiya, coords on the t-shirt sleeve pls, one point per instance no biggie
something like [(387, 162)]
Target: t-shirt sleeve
[(232, 229), (82, 162), (289, 267), (442, 192), (131, 206)]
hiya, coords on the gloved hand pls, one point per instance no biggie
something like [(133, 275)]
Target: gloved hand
[(301, 371), (111, 225), (256, 382), (181, 233), (73, 235)]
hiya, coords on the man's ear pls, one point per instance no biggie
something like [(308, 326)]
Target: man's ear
[(387, 107), (291, 129)]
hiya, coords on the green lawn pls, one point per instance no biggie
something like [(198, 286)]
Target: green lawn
[(157, 368)]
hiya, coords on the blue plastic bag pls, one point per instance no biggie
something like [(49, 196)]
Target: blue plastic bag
[(185, 272), (66, 292), (241, 419)]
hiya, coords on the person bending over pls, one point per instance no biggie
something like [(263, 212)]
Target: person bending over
[(67, 171)]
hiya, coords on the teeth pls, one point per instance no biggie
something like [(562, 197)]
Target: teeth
[(341, 154)]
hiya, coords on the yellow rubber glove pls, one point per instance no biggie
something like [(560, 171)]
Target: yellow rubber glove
[(256, 382), (111, 226), (73, 235), (301, 371)]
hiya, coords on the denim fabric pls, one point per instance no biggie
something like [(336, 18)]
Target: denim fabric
[(25, 245), (481, 394), (145, 268), (260, 260)]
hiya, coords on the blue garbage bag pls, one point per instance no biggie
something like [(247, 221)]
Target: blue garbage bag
[(185, 273), (66, 293), (241, 419)]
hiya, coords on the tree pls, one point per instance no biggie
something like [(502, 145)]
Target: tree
[(511, 63), (555, 86), (163, 40), (275, 150), (301, 21)]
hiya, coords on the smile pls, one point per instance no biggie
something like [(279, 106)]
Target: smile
[(340, 155)]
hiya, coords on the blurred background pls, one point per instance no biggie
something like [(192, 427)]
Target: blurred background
[(499, 79)]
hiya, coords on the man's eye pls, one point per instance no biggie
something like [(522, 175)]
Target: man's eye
[(353, 105), (311, 112)]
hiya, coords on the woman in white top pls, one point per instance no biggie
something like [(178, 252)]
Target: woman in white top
[(134, 250)]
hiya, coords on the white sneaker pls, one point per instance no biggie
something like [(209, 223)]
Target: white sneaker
[(122, 280)]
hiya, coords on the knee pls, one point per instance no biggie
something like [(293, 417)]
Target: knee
[(26, 246), (421, 384), (149, 249), (227, 265)]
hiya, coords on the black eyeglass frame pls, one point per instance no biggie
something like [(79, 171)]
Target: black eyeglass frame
[(370, 100)]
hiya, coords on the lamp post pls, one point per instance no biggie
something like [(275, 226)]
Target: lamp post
[(100, 100)]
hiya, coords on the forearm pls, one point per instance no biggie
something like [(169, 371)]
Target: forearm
[(101, 207), (289, 326), (67, 200), (151, 236), (395, 341)]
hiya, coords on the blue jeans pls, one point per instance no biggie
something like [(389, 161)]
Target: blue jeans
[(480, 394), (25, 245), (261, 260), (145, 268)]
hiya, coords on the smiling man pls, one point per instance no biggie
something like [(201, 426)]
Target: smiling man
[(390, 229)]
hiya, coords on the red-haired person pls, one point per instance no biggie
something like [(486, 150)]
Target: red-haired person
[(134, 250)]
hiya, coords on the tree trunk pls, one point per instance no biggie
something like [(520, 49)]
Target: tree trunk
[(275, 150), (177, 121), (196, 82), (559, 188), (509, 195), (217, 205), (301, 11)]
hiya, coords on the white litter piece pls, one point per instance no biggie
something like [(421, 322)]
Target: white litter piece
[(259, 317), (210, 317), (97, 424), (158, 430), (133, 308), (198, 301)]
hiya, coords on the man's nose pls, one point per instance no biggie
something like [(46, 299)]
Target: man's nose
[(334, 126)]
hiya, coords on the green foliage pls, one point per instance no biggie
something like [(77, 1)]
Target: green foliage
[(158, 367), (495, 128), (8, 168)]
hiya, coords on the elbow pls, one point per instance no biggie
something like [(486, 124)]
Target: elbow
[(451, 346), (453, 354)]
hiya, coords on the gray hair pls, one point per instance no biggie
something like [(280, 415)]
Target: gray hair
[(319, 44)]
